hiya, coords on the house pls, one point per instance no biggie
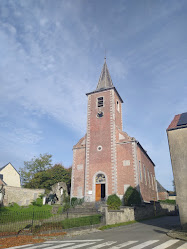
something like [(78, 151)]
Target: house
[(11, 177), (177, 140), (163, 194), (107, 160), (10, 180)]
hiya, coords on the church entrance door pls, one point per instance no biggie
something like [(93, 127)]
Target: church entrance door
[(100, 187), (99, 192)]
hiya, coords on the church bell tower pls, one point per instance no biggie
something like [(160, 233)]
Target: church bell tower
[(103, 117)]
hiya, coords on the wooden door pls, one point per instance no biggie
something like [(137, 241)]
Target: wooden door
[(98, 192)]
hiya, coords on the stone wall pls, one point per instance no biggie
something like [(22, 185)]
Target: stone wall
[(21, 196), (123, 215), (148, 210)]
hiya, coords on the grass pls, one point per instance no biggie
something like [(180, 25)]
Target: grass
[(168, 201), (117, 225), (81, 221), (30, 208), (127, 223), (16, 213), (70, 223)]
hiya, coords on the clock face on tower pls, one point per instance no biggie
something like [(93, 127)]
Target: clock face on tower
[(100, 114)]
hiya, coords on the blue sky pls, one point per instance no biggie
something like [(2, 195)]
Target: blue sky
[(52, 53)]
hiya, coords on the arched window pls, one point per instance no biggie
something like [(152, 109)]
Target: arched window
[(100, 178)]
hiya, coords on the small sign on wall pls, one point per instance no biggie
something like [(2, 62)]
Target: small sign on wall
[(90, 192)]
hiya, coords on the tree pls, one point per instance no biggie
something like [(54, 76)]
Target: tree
[(38, 173), (59, 173), (174, 187), (36, 165)]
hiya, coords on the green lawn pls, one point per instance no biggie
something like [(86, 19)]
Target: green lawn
[(168, 201), (16, 213)]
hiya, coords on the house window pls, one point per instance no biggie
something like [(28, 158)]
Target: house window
[(100, 102), (140, 170), (145, 175)]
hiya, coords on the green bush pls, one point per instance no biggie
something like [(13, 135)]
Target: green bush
[(113, 202), (38, 202), (74, 201), (131, 197), (66, 203), (14, 205)]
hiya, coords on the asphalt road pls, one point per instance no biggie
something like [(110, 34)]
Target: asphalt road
[(146, 234)]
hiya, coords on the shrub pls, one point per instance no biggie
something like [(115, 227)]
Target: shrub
[(14, 205), (74, 201), (66, 203), (38, 202), (113, 202), (131, 197)]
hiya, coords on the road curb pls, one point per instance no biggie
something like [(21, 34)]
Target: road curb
[(178, 234)]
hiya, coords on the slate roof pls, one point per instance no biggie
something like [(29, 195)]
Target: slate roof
[(7, 165), (160, 188), (105, 80), (176, 122)]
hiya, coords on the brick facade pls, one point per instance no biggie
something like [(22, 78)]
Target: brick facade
[(108, 151)]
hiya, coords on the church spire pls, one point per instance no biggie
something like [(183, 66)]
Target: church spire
[(105, 80)]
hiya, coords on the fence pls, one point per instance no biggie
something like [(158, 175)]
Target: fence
[(39, 221)]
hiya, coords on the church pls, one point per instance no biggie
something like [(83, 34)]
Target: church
[(107, 160)]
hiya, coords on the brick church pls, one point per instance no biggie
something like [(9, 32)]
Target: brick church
[(107, 160)]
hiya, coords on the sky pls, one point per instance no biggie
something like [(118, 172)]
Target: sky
[(51, 55)]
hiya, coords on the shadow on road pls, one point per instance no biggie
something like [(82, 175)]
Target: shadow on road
[(165, 222)]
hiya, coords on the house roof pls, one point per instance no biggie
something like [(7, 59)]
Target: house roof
[(179, 121), (7, 165), (105, 82), (160, 188), (145, 152)]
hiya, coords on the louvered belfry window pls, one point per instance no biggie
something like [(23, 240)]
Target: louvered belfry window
[(100, 102)]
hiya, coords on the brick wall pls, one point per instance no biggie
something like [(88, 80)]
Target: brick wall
[(118, 157), (163, 195), (147, 182)]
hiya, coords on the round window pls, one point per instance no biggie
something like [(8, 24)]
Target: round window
[(99, 148)]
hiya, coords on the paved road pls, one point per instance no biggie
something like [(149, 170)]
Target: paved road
[(149, 234)]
